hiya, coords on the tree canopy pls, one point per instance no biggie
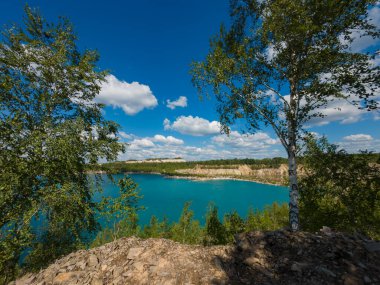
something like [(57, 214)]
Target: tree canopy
[(50, 128), (280, 63), (339, 190)]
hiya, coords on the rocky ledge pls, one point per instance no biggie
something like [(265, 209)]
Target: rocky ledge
[(279, 257)]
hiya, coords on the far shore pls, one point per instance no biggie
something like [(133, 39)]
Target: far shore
[(198, 178), (194, 178)]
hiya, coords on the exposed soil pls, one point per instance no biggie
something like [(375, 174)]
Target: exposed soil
[(278, 257)]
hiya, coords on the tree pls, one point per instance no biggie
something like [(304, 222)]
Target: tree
[(215, 232), (186, 230), (50, 128), (339, 190), (122, 210), (281, 62), (233, 225)]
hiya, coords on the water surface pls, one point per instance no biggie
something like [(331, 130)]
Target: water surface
[(166, 196)]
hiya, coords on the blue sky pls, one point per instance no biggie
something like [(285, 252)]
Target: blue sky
[(147, 46)]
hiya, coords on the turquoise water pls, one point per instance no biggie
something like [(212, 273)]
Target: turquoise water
[(166, 196)]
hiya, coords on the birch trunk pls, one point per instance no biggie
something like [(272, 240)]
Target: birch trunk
[(293, 187)]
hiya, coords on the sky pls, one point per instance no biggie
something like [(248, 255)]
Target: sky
[(148, 46)]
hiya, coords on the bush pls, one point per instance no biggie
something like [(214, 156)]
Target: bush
[(273, 217), (190, 231), (340, 190), (215, 231), (187, 230)]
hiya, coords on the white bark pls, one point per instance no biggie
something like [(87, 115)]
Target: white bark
[(293, 185)]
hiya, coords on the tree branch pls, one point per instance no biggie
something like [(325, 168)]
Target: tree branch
[(270, 121)]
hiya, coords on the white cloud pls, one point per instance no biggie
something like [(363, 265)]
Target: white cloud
[(259, 145), (167, 140), (141, 143), (354, 146), (272, 51), (194, 126), (149, 144), (190, 153), (361, 42), (236, 140), (342, 111), (124, 135), (131, 97), (180, 102), (358, 137)]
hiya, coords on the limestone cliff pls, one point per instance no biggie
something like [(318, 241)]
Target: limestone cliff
[(279, 257), (271, 175)]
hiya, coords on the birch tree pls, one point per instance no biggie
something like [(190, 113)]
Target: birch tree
[(50, 128), (281, 62)]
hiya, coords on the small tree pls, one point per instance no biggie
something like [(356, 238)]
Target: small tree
[(281, 62), (339, 190), (215, 232), (123, 209), (233, 224), (50, 128), (187, 230)]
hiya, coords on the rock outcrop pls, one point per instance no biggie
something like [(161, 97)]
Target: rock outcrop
[(279, 257), (266, 175)]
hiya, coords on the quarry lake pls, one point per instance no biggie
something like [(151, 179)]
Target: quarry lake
[(165, 196)]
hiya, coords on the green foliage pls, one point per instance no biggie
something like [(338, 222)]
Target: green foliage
[(123, 211), (169, 168), (125, 204), (271, 218), (341, 191), (50, 128), (215, 231), (187, 230), (104, 236), (233, 224), (280, 63), (267, 53), (156, 229)]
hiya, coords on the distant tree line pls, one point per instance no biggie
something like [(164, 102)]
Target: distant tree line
[(169, 168)]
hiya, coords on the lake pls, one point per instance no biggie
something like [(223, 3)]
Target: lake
[(165, 196)]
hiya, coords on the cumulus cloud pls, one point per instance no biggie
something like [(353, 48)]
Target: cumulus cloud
[(180, 102), (141, 143), (338, 110), (271, 52), (192, 153), (259, 145), (194, 126), (358, 137), (150, 142), (131, 97), (362, 42), (359, 142), (236, 140), (124, 135), (167, 140)]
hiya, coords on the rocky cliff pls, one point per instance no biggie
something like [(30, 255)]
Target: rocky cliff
[(279, 257), (266, 175)]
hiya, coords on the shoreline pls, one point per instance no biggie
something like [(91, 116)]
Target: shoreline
[(201, 178), (190, 177), (196, 178)]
